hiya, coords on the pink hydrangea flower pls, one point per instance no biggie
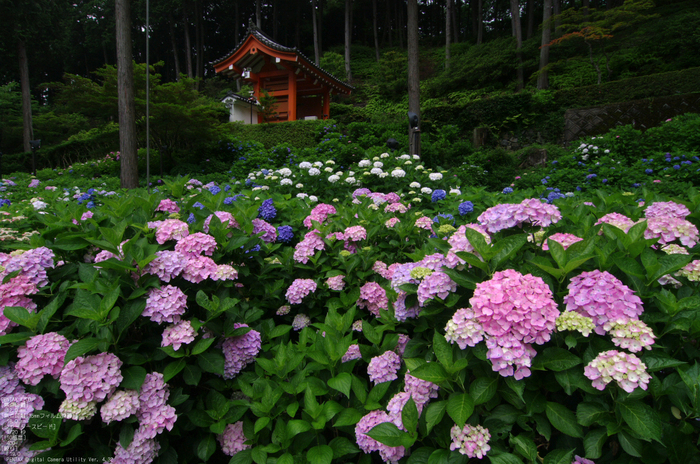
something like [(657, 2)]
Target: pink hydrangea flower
[(86, 215), (154, 414), (198, 269), (532, 211), (630, 334), (225, 217), (368, 444), (91, 378), (41, 355), (336, 283), (668, 229), (119, 406), (352, 353), (383, 368), (507, 352), (373, 297), (471, 440), (691, 271), (580, 460), (602, 297), (463, 329), (299, 289), (355, 233), (16, 409), (396, 405), (666, 208), (240, 351), (269, 231), (438, 284), (425, 223), (178, 334), (165, 304), (168, 206), (196, 244), (141, 450), (232, 440), (300, 321), (224, 272), (12, 300), (167, 265), (626, 369), (401, 344), (459, 242), (620, 221), (320, 213), (566, 240), (401, 312), (390, 223), (421, 390), (32, 264), (395, 208), (171, 229), (305, 249)]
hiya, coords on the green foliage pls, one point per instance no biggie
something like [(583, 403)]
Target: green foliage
[(392, 75), (299, 134), (334, 63)]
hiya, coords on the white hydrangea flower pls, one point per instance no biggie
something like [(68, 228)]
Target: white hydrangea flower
[(384, 155), (414, 185), (350, 180), (285, 172), (408, 163), (419, 167), (330, 162), (398, 173), (426, 190), (305, 165), (286, 182), (302, 195), (328, 169), (333, 179), (376, 171), (378, 164), (313, 198), (364, 163), (314, 172), (435, 176), (351, 173), (299, 186), (318, 164), (455, 191), (404, 157)]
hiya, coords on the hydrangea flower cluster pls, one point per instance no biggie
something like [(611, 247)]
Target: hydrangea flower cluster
[(438, 284), (618, 220), (425, 223), (463, 329), (666, 208), (506, 215), (626, 369), (299, 289), (336, 283), (305, 249), (225, 217), (420, 390), (267, 210), (285, 234), (171, 229), (352, 353), (199, 268), (395, 208), (300, 321), (16, 405), (459, 242), (168, 206), (566, 240), (122, 404), (373, 297), (465, 208), (401, 344), (178, 334), (320, 213), (471, 440), (269, 231), (602, 297), (232, 439), (77, 410), (240, 351), (91, 378), (165, 304), (389, 454), (355, 233), (383, 368), (438, 195), (41, 355), (196, 244), (668, 229), (571, 320), (154, 414), (691, 271), (580, 460), (630, 334)]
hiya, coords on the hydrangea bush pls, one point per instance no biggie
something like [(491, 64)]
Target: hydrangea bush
[(377, 321)]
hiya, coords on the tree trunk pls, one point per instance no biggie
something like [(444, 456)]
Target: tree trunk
[(400, 23), (28, 131), (258, 13), (348, 36), (480, 22), (448, 32), (518, 32), (126, 102), (413, 76), (530, 19), (173, 43), (188, 42), (374, 28), (556, 7), (543, 78), (387, 28), (314, 21), (319, 24), (456, 16), (199, 35)]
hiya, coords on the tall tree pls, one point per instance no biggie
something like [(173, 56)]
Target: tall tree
[(374, 29), (173, 43), (188, 41), (314, 21), (479, 30), (413, 54), (543, 77), (126, 102), (348, 36), (448, 32), (27, 128), (518, 33)]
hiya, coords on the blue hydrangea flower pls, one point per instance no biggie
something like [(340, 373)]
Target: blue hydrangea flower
[(214, 189), (544, 181), (229, 200), (591, 176), (438, 194), (605, 181), (90, 205), (285, 234), (648, 171), (5, 202), (554, 196), (227, 187), (255, 248), (676, 167), (465, 207), (267, 211), (507, 190), (191, 219), (198, 205), (447, 216)]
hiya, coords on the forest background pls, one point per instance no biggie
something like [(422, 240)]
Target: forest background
[(481, 63)]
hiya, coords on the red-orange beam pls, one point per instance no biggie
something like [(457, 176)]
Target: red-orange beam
[(292, 109)]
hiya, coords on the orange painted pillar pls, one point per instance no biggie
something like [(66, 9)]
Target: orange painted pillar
[(292, 99), (326, 104)]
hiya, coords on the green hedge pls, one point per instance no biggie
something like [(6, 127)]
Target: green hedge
[(299, 134)]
